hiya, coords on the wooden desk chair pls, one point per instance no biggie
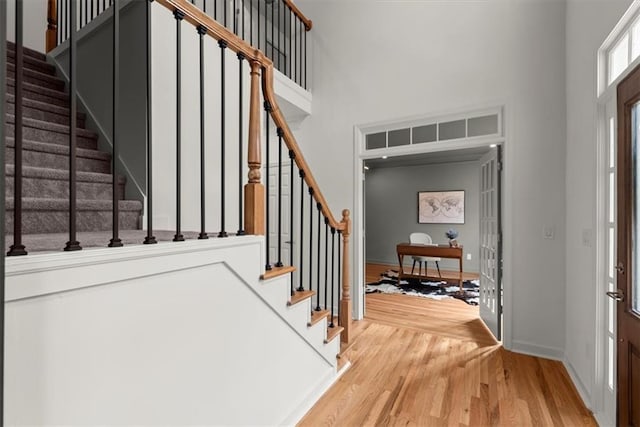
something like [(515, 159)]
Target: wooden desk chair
[(423, 239)]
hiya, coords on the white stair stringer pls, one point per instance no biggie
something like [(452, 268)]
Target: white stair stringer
[(298, 315), (163, 334)]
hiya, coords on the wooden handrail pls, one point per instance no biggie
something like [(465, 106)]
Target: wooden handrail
[(51, 35), (306, 21)]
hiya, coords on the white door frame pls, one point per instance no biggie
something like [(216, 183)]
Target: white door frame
[(360, 155)]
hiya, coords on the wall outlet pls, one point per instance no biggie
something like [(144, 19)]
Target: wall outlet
[(468, 257)]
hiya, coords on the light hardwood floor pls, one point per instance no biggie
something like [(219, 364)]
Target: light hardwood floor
[(422, 362)]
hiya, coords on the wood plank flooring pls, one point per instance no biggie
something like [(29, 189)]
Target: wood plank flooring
[(422, 362)]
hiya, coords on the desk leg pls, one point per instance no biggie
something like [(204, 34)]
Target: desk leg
[(460, 278), (400, 270)]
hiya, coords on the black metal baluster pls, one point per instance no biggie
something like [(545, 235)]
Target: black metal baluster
[(279, 49), (59, 22), (272, 32), (203, 233), (215, 9), (292, 157), (223, 47), (17, 248), (72, 244), (224, 10), (243, 33), (280, 134), (326, 260), (3, 147), (81, 1), (290, 72), (301, 243), (266, 32), (92, 14), (311, 238), (295, 49), (149, 238), (251, 22), (267, 109), (333, 263), (235, 18), (319, 206), (204, 6), (86, 12), (179, 16), (241, 57), (299, 53), (305, 57), (258, 29), (115, 240), (339, 274)]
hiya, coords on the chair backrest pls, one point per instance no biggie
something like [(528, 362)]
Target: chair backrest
[(422, 238)]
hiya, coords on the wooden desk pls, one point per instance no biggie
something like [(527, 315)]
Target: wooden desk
[(441, 251)]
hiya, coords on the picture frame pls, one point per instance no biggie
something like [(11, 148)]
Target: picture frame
[(441, 207)]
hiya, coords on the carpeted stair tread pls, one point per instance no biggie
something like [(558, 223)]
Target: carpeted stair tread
[(47, 136), (33, 63), (61, 174), (37, 78), (59, 149), (41, 204), (26, 51), (31, 91), (53, 127), (51, 113)]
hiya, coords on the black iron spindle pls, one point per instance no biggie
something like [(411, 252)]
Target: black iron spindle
[(295, 49), (3, 78), (179, 16), (339, 274), (290, 72), (81, 2), (215, 9), (86, 13), (59, 22), (235, 18), (267, 109), (149, 238), (72, 244), (92, 13), (292, 157), (333, 263), (326, 260), (319, 206), (203, 233), (243, 33), (223, 47), (258, 29), (224, 10), (241, 57), (305, 58), (17, 248), (251, 22), (301, 243), (299, 53), (204, 6), (272, 32), (311, 238), (115, 240), (280, 134), (279, 49)]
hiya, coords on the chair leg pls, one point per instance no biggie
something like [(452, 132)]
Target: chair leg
[(413, 266), (438, 267)]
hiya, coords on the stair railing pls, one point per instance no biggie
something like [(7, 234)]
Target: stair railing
[(276, 27), (257, 197)]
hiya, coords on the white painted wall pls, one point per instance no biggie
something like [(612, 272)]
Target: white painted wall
[(588, 24), (174, 334), (34, 23), (376, 61)]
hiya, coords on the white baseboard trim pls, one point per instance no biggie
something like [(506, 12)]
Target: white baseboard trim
[(602, 420), (537, 350), (579, 385), (294, 417)]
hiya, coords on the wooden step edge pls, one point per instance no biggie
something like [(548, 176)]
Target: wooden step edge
[(342, 361), (332, 333), (300, 296), (276, 272), (317, 316)]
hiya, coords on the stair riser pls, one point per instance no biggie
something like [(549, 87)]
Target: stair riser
[(51, 137), (46, 116), (11, 47), (58, 221), (59, 189), (37, 78), (59, 161), (36, 96), (32, 63)]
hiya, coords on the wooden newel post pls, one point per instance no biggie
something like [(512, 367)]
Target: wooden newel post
[(51, 37), (345, 302), (254, 189)]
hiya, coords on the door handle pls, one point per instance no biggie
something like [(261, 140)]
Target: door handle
[(620, 268), (616, 295)]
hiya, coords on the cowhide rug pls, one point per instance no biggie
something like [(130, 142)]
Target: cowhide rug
[(388, 284)]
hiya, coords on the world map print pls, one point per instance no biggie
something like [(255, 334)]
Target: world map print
[(441, 207)]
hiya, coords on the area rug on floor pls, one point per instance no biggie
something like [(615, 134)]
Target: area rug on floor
[(388, 284)]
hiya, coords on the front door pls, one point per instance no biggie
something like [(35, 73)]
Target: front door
[(490, 242), (628, 262)]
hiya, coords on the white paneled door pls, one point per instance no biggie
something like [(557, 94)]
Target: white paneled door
[(279, 215), (490, 242)]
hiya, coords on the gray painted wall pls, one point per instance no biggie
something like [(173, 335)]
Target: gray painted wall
[(391, 204), (94, 70)]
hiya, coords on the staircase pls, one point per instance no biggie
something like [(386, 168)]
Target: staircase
[(45, 170)]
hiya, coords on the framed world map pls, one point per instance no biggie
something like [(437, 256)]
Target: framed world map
[(441, 207)]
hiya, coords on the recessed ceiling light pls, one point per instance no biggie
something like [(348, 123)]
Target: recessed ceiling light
[(384, 157), (366, 168), (493, 145)]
